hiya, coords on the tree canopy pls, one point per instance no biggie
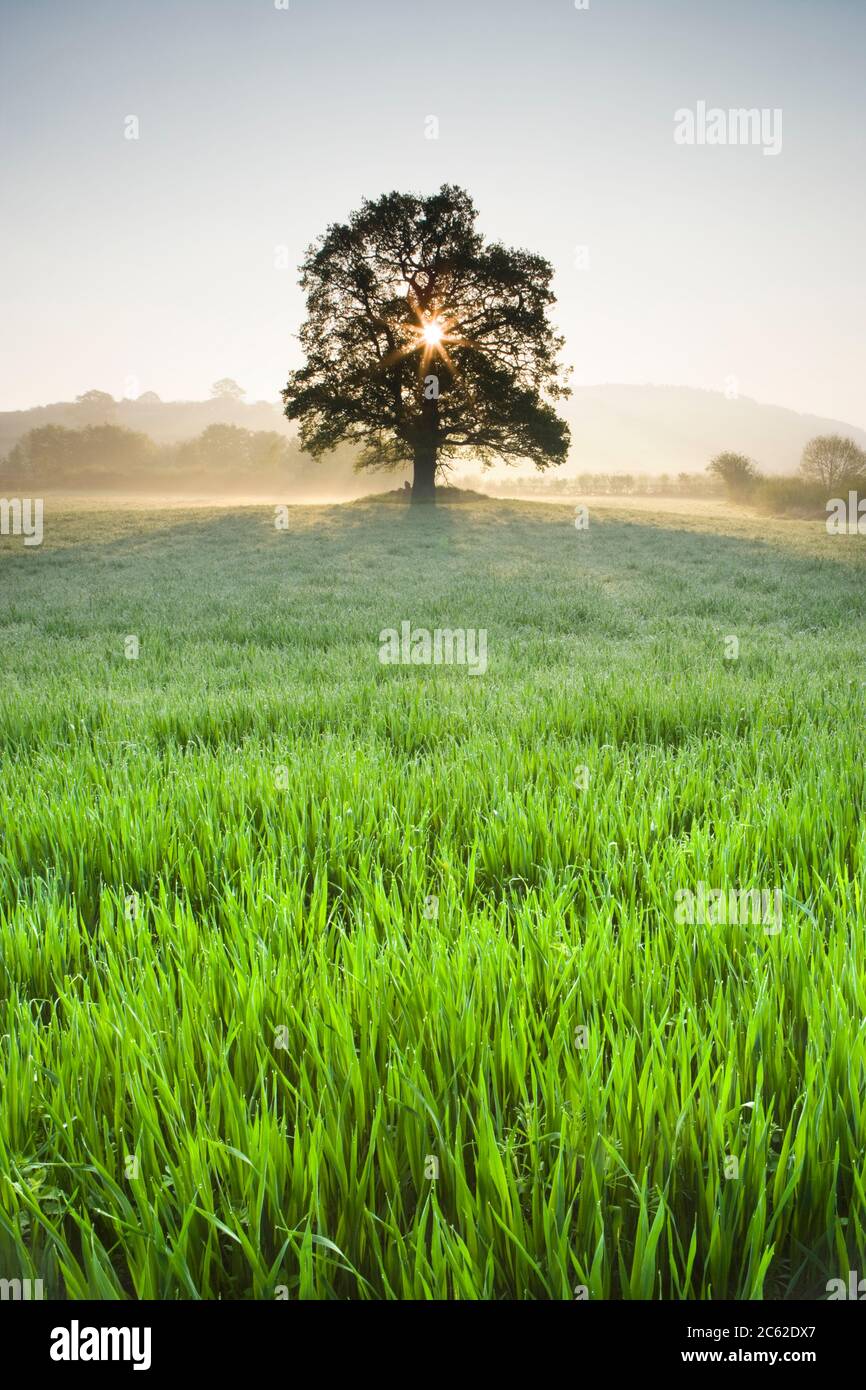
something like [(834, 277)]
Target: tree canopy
[(422, 340), (227, 389), (832, 459)]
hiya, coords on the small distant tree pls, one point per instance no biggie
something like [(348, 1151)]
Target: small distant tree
[(736, 472), (95, 407), (227, 390), (831, 459)]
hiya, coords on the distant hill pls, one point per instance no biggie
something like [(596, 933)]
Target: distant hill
[(671, 429)]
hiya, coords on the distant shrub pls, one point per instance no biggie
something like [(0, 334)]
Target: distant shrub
[(736, 472), (797, 496), (790, 496)]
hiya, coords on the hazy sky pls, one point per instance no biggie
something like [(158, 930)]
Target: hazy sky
[(131, 265)]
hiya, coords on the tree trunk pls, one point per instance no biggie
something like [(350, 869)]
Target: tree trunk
[(424, 479)]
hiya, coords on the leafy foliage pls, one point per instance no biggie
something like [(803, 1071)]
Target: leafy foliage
[(834, 461), (227, 389)]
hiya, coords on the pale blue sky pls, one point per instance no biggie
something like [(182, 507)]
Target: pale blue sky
[(149, 264)]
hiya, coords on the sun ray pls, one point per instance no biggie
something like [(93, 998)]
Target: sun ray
[(431, 336)]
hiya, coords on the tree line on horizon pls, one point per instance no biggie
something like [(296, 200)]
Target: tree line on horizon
[(601, 484), (229, 458), (108, 457), (224, 458)]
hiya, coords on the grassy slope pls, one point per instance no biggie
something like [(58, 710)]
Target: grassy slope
[(303, 909)]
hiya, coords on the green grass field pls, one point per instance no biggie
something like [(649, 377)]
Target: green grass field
[(243, 1051)]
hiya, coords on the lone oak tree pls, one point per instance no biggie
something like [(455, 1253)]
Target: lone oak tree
[(422, 340)]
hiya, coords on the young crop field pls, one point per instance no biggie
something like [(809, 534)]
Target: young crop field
[(332, 977)]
